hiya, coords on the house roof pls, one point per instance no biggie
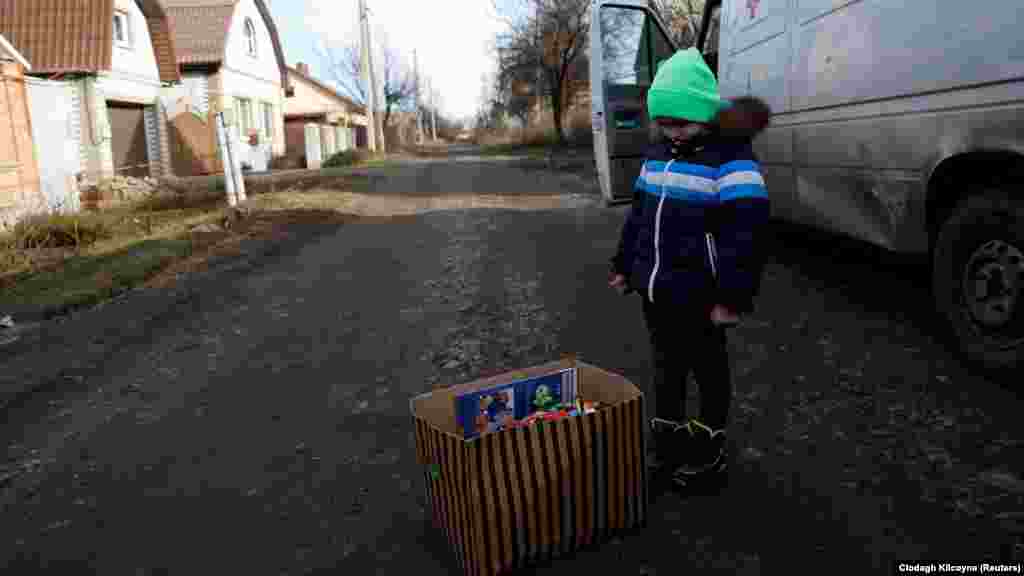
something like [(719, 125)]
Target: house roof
[(201, 31), (349, 103), (77, 35), (8, 51)]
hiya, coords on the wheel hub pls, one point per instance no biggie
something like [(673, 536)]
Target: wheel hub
[(992, 283)]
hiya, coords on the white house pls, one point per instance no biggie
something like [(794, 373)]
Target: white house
[(104, 62), (319, 121), (231, 59)]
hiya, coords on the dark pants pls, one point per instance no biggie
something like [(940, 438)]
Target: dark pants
[(685, 340)]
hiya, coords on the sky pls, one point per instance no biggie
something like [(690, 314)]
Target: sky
[(454, 56)]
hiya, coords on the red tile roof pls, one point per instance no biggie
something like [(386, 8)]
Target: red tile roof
[(201, 31), (77, 35)]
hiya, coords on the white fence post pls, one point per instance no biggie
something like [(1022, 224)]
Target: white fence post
[(226, 160)]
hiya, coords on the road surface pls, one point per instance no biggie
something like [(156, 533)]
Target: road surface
[(254, 419)]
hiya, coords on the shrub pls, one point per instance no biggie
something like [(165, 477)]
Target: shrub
[(347, 158), (60, 231)]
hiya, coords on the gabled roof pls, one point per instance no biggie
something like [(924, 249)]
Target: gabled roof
[(349, 103), (201, 31), (77, 35)]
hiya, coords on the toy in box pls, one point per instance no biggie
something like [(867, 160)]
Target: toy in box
[(500, 407)]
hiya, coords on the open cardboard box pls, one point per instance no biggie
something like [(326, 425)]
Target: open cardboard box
[(512, 497)]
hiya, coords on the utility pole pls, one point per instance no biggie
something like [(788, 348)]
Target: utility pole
[(367, 77), (378, 99), (419, 111), (433, 111)]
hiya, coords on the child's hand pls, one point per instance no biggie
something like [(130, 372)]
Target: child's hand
[(722, 316), (618, 282)]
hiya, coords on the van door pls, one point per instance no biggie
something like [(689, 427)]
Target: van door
[(627, 42)]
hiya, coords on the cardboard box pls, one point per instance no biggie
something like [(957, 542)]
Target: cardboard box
[(507, 499)]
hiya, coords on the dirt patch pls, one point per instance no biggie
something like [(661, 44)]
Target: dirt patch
[(278, 225)]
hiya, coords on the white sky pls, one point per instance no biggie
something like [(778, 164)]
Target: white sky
[(451, 37)]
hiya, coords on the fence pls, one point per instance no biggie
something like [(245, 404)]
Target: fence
[(19, 174), (56, 129)]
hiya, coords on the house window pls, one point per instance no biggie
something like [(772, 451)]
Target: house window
[(122, 29), (268, 120), (250, 37), (245, 119)]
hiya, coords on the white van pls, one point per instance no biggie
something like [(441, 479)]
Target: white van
[(897, 123)]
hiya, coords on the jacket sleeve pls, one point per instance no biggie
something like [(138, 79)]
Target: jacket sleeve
[(739, 239), (622, 262)]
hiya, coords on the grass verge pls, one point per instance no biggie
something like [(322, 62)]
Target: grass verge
[(161, 238), (85, 280)]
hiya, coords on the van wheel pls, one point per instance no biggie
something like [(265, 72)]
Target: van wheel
[(978, 278)]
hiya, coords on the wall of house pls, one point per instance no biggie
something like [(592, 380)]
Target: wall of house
[(191, 95), (309, 99), (257, 78), (97, 155), (134, 76)]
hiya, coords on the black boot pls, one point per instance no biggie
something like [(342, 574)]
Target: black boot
[(706, 462), (670, 440)]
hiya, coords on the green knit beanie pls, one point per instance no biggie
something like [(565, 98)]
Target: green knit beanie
[(684, 88)]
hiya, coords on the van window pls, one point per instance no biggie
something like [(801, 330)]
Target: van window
[(632, 46)]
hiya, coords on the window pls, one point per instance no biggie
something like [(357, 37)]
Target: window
[(122, 29), (250, 37), (245, 119), (268, 120), (633, 45)]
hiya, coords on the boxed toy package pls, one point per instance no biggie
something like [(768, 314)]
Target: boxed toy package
[(533, 463)]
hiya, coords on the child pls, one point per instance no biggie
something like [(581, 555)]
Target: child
[(691, 247)]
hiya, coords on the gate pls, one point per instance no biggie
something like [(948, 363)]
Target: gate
[(194, 145)]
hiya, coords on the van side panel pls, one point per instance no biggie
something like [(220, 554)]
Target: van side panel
[(873, 95), (873, 49)]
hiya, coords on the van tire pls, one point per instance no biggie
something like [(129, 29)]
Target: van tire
[(990, 222)]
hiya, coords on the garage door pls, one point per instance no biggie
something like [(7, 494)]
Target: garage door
[(128, 133)]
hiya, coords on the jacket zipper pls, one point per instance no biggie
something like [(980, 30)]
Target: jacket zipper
[(712, 254), (657, 233)]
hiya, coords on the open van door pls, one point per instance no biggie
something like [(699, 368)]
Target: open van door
[(627, 42)]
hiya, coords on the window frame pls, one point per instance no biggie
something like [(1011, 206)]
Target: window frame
[(267, 113), (125, 18), (245, 118), (646, 47), (249, 32)]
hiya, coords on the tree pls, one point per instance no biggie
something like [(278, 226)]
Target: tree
[(545, 38), (682, 17), (345, 67)]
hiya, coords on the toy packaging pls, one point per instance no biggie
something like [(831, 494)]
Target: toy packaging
[(518, 403), (553, 461)]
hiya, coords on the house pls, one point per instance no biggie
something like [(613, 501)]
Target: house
[(319, 121), (231, 60), (112, 58), (19, 176)]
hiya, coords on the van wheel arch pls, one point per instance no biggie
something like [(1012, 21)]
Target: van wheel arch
[(966, 174)]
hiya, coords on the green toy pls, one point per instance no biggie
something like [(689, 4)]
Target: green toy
[(543, 399)]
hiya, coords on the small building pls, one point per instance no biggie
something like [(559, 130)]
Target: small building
[(231, 59), (112, 58), (319, 121)]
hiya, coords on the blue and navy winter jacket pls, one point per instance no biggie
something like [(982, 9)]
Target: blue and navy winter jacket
[(666, 253)]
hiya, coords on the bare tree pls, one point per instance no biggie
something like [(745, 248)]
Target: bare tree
[(682, 17), (344, 66), (546, 37)]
